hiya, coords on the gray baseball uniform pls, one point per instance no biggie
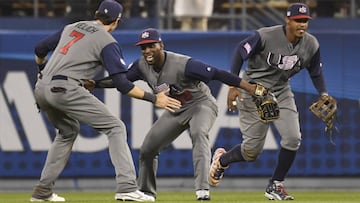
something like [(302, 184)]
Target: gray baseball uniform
[(198, 113), (275, 61), (83, 49), (274, 55), (186, 78)]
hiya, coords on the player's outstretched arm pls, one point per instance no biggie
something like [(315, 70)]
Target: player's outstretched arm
[(123, 85), (160, 100)]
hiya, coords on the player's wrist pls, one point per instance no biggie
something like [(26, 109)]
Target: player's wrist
[(150, 97), (41, 66), (324, 94), (97, 84)]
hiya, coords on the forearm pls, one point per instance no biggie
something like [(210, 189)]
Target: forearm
[(121, 83), (247, 86), (319, 84), (234, 81), (104, 83), (138, 93), (227, 78)]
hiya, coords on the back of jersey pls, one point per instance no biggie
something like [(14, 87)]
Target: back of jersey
[(78, 53)]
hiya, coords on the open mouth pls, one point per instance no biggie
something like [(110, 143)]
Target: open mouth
[(149, 58), (301, 31)]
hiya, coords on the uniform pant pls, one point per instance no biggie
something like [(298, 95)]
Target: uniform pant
[(199, 119), (254, 131), (66, 104)]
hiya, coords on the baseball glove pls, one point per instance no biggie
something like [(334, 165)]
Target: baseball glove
[(266, 104), (325, 108)]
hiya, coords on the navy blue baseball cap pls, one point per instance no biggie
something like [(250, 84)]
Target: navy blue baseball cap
[(111, 8), (150, 35), (298, 11)]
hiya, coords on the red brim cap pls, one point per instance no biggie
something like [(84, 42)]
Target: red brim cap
[(300, 17), (146, 42)]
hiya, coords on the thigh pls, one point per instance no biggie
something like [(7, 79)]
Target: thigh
[(83, 106), (252, 128), (289, 116), (165, 130), (67, 125), (202, 117)]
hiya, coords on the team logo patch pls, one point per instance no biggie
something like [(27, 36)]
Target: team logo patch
[(302, 9), (145, 35), (247, 47)]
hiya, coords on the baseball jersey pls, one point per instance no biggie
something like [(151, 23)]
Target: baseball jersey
[(277, 59), (172, 73), (82, 50)]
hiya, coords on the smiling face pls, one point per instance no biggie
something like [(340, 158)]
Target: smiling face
[(296, 28), (153, 53)]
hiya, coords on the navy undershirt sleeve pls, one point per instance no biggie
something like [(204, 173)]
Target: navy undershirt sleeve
[(315, 70), (114, 63), (48, 44), (243, 51), (200, 71), (112, 59), (134, 72), (121, 83)]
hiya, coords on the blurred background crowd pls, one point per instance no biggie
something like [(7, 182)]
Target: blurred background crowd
[(183, 14)]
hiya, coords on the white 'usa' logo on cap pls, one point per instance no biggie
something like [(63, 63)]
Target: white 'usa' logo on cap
[(302, 9), (145, 35)]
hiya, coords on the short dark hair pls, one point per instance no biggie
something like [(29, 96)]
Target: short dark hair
[(105, 19)]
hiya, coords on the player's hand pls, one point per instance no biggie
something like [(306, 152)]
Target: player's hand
[(233, 93), (88, 84), (166, 102)]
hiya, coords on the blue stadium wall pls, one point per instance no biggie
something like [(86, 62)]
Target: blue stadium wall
[(25, 134)]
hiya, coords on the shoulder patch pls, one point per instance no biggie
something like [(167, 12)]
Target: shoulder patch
[(247, 47)]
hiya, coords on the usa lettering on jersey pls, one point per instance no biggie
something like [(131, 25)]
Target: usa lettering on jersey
[(282, 62)]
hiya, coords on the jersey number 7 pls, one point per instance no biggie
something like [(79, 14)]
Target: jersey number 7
[(76, 37)]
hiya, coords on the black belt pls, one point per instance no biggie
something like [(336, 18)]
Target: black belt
[(59, 77)]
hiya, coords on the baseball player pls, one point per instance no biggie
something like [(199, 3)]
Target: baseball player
[(82, 50), (274, 55), (186, 77)]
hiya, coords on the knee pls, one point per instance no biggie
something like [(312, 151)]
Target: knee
[(199, 137), (120, 128), (250, 154), (117, 130), (146, 153), (70, 133), (292, 143)]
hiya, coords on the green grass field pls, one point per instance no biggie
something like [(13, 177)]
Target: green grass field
[(189, 197)]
